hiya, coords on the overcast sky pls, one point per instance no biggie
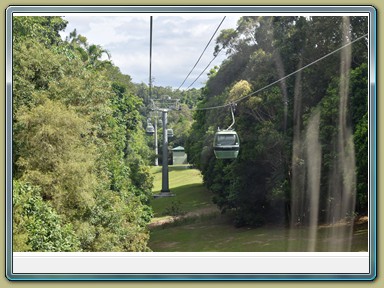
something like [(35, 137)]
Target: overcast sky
[(177, 42)]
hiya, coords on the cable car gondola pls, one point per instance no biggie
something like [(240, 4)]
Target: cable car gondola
[(226, 143), (150, 130), (170, 132)]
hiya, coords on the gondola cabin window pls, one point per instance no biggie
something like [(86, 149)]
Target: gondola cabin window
[(224, 139)]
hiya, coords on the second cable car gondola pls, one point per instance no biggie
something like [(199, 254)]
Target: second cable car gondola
[(226, 144), (150, 130), (170, 133)]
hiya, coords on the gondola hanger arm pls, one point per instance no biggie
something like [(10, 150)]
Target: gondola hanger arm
[(233, 106)]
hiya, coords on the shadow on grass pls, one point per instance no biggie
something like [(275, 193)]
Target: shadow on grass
[(214, 233), (190, 190), (158, 169), (190, 197)]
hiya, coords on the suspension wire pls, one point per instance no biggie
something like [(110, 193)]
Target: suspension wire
[(150, 59), (201, 55), (204, 69), (217, 54), (281, 79)]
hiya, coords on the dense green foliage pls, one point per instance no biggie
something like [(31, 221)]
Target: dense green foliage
[(37, 226), (270, 181), (81, 177), (80, 159)]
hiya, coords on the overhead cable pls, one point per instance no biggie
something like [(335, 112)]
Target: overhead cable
[(214, 57), (150, 58), (281, 79), (204, 69), (201, 55)]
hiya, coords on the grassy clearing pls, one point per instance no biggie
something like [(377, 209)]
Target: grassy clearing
[(186, 184), (203, 229), (218, 235)]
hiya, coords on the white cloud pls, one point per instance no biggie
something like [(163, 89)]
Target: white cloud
[(177, 42)]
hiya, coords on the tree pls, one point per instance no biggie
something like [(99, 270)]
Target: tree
[(75, 140), (272, 170), (46, 29), (36, 225), (89, 53)]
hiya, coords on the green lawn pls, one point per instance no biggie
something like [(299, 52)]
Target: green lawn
[(186, 184), (209, 231), (218, 235)]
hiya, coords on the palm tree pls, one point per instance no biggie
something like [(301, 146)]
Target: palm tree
[(95, 52), (91, 54)]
